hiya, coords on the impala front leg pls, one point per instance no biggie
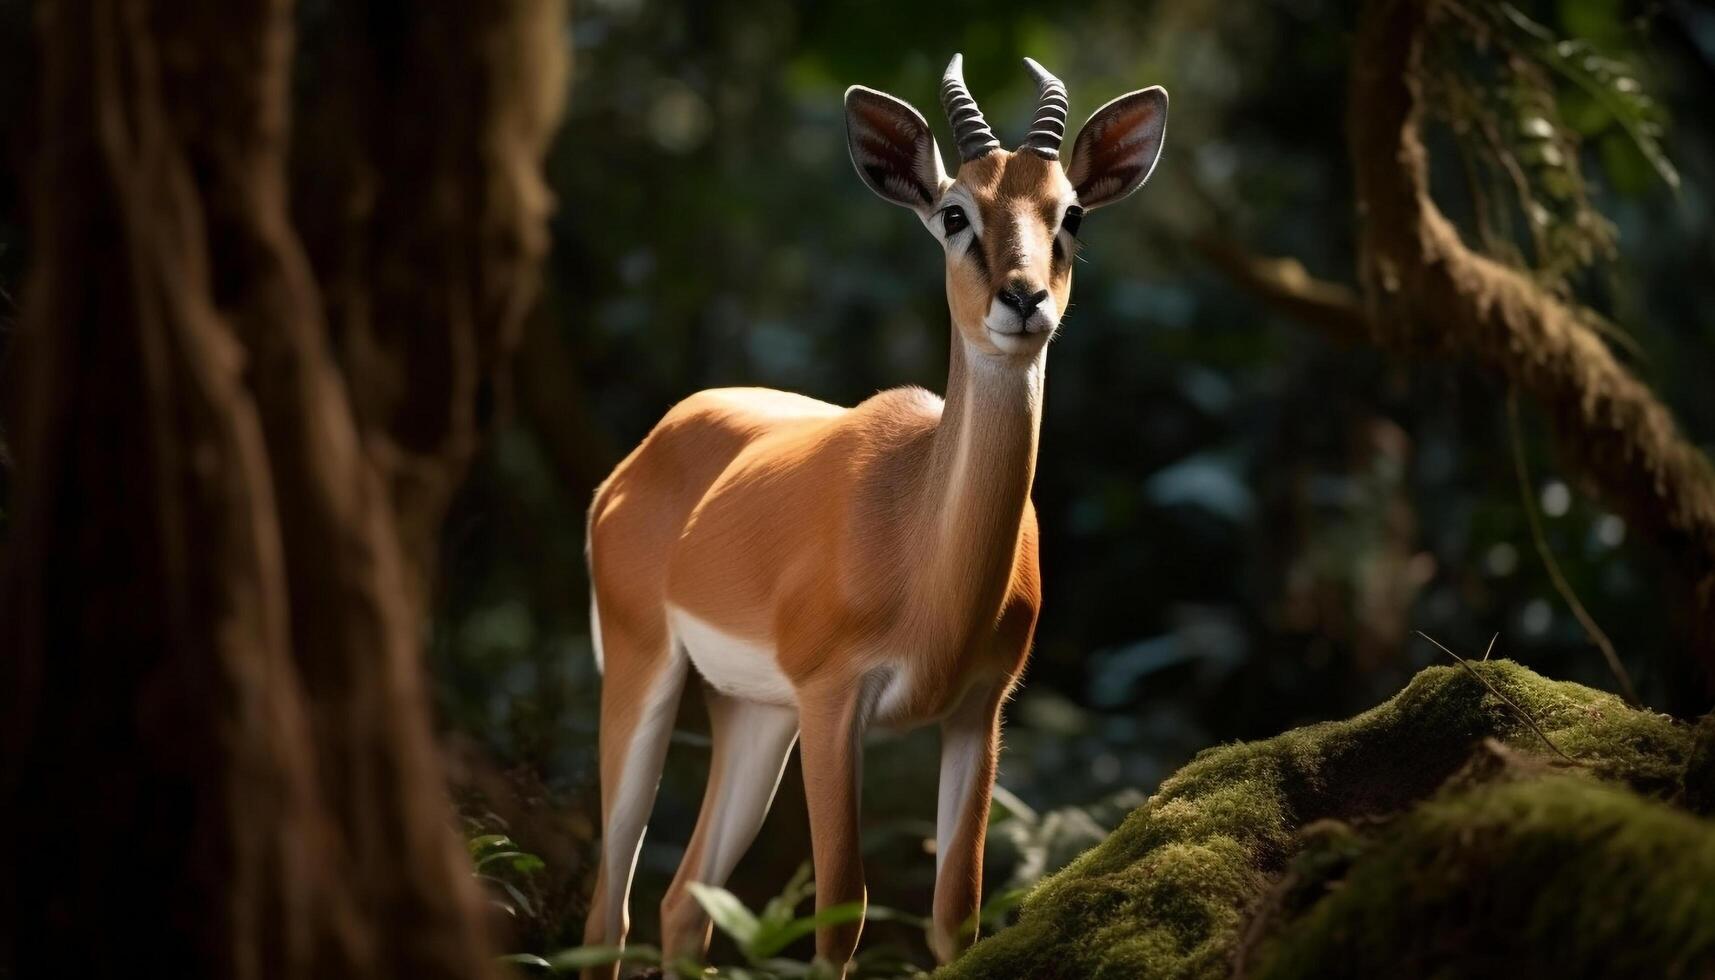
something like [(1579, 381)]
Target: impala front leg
[(970, 747), (833, 718)]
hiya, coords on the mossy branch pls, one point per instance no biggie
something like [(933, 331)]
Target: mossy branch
[(1283, 284), (1427, 291)]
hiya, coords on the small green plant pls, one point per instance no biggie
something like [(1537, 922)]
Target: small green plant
[(761, 938), (508, 871), (1044, 843)]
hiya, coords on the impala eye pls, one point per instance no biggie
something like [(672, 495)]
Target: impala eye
[(1073, 218), (953, 220)]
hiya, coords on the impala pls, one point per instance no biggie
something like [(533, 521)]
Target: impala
[(826, 569)]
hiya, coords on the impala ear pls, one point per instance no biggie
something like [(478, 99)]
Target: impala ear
[(892, 148), (1118, 147)]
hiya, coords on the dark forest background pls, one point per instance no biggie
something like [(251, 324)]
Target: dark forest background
[(1244, 517)]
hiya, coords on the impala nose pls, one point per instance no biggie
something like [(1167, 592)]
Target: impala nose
[(1021, 299)]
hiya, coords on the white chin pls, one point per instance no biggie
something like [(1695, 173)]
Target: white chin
[(1016, 343)]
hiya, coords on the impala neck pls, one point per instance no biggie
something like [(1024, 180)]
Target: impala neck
[(979, 477)]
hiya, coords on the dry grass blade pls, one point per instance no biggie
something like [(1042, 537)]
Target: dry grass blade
[(1491, 648), (1523, 715)]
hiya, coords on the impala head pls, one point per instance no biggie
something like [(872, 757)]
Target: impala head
[(1008, 220)]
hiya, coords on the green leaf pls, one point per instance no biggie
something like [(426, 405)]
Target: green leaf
[(528, 960), (728, 912), (520, 861), (771, 941), (1009, 805), (488, 842), (1607, 82), (529, 864), (1627, 169), (995, 910), (579, 957), (512, 890), (688, 966), (783, 907)]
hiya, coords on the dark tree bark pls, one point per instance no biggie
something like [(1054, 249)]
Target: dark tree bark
[(217, 758), (421, 203)]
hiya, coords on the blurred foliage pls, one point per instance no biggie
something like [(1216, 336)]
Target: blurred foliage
[(1241, 522), (1498, 80), (1519, 155)]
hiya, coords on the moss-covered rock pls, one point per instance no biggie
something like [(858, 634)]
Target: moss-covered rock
[(1555, 876), (1171, 893)]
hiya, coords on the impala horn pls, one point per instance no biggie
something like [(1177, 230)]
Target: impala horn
[(1049, 127), (970, 131)]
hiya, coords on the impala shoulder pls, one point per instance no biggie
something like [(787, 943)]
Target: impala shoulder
[(748, 407), (908, 401), (708, 431), (898, 413)]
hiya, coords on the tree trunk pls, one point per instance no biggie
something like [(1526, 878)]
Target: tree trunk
[(422, 202), (215, 732)]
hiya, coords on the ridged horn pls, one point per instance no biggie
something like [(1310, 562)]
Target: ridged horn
[(970, 131), (1049, 127)]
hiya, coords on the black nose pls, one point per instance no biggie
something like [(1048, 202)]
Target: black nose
[(1021, 299)]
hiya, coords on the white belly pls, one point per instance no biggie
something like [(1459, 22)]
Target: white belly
[(734, 666)]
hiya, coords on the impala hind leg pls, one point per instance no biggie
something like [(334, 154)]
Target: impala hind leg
[(644, 674), (751, 744)]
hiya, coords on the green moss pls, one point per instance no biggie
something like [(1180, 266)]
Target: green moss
[(1170, 892), (1554, 876)]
